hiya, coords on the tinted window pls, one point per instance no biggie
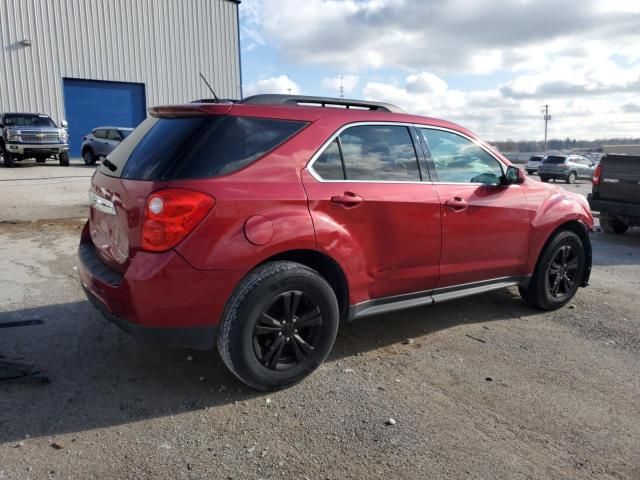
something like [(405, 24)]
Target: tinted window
[(329, 164), (196, 147), (100, 134), (114, 135), (535, 159), (379, 152), (124, 133), (459, 160), (27, 120), (554, 159)]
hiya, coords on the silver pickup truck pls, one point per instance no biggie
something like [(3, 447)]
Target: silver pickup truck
[(32, 135)]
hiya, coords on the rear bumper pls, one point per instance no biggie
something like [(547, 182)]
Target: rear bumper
[(160, 298), (198, 338), (557, 175), (614, 208)]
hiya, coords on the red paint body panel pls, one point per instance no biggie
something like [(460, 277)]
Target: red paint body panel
[(389, 244), (402, 238), (488, 238)]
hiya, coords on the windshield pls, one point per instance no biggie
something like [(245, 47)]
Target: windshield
[(125, 132), (27, 120)]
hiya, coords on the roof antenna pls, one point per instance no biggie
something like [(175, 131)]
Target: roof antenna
[(209, 87)]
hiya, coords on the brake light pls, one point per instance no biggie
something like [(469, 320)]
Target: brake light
[(597, 174), (170, 215)]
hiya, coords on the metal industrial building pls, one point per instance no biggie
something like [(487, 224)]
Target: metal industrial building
[(104, 62)]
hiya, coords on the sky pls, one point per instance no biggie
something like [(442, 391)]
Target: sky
[(489, 65)]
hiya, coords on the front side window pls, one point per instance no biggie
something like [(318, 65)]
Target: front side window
[(114, 135), (370, 153), (459, 160)]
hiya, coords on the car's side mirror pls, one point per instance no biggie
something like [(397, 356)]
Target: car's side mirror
[(513, 175), (64, 124)]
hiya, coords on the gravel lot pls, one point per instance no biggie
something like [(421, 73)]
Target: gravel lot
[(482, 387)]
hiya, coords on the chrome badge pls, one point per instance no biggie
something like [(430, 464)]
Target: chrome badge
[(101, 204)]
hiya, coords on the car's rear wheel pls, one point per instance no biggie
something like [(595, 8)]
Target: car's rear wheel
[(278, 326), (613, 225), (571, 178), (544, 179), (88, 157), (558, 274), (64, 159)]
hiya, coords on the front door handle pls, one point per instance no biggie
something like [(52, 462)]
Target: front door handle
[(457, 204), (348, 200)]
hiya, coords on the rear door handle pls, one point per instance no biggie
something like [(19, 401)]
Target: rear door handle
[(457, 204), (348, 200)]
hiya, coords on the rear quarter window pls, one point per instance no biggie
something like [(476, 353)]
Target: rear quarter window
[(197, 147)]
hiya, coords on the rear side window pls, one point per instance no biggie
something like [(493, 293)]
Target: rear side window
[(197, 147), (370, 153), (329, 163)]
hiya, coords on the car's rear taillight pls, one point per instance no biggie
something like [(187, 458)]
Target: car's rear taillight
[(170, 215), (597, 175)]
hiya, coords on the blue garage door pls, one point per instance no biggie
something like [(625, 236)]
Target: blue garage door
[(90, 103)]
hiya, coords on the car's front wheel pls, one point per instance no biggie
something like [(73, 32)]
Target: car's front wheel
[(9, 160), (88, 157), (279, 325), (559, 272), (64, 159)]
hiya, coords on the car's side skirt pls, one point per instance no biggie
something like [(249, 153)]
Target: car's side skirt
[(428, 297)]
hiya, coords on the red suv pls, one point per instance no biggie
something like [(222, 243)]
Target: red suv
[(259, 225)]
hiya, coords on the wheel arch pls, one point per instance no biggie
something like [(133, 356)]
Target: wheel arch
[(86, 148), (582, 231), (326, 266)]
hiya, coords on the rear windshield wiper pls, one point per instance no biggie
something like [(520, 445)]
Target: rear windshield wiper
[(107, 163)]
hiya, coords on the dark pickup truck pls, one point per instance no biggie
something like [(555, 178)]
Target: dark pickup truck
[(616, 192)]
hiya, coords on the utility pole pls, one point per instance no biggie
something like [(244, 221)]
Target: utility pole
[(341, 87), (547, 117)]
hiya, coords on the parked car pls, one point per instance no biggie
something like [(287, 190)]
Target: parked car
[(565, 167), (616, 192), (533, 164), (101, 142), (258, 226), (32, 135)]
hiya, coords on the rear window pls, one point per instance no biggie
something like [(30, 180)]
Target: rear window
[(535, 159), (555, 159), (196, 147)]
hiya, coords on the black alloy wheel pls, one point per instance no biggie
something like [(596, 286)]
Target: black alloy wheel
[(287, 332), (562, 272)]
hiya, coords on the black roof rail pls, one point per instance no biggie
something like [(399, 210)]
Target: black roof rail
[(304, 100)]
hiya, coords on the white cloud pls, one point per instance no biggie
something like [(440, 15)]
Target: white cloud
[(462, 36), (495, 116), (332, 84), (582, 58), (279, 84)]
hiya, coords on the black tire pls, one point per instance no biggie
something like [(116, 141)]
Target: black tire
[(41, 159), (571, 178), (88, 157), (254, 324), (64, 159), (553, 263), (544, 179), (9, 160), (613, 226)]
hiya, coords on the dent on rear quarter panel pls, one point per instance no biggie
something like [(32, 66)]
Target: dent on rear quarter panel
[(220, 243), (551, 209)]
